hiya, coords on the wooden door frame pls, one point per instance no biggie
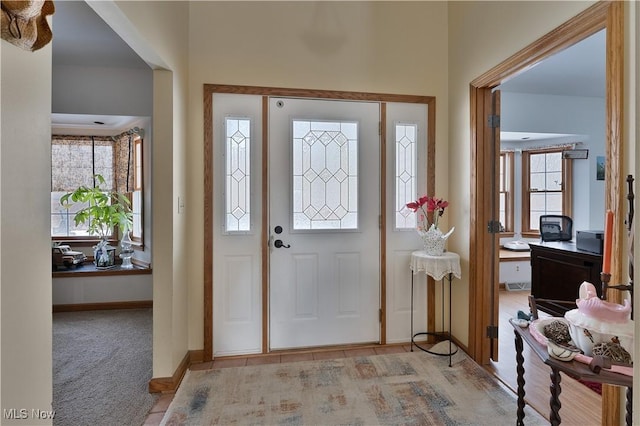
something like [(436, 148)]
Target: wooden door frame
[(209, 92), (607, 15)]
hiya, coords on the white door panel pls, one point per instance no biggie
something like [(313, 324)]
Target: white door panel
[(324, 195), (237, 285), (402, 241)]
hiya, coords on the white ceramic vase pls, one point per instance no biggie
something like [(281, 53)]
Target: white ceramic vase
[(433, 240)]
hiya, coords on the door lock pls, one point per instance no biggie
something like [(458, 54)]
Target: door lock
[(280, 244)]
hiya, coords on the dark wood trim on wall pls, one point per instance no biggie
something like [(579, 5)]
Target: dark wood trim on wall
[(383, 221), (431, 189), (316, 94), (90, 270), (208, 225), (615, 177), (209, 95), (170, 384), (604, 14), (77, 307)]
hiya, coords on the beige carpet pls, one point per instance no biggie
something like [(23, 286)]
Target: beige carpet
[(101, 367), (408, 388)]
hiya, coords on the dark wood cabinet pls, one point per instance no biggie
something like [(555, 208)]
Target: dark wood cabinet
[(557, 270)]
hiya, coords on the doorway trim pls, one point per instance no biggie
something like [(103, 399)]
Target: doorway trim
[(209, 92), (483, 293)]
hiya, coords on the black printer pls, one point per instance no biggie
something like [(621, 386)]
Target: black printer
[(591, 241)]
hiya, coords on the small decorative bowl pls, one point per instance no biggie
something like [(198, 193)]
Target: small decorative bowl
[(587, 331), (560, 352)]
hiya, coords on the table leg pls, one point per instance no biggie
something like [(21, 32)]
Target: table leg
[(520, 379), (450, 353), (411, 336), (554, 416), (629, 417)]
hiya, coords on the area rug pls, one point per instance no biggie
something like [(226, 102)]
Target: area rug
[(596, 387), (412, 388)]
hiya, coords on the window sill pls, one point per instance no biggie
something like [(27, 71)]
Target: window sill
[(82, 241), (88, 269), (531, 234)]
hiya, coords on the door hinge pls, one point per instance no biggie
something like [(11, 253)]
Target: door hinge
[(379, 128), (493, 121), (380, 315), (379, 221), (493, 227), (492, 331)]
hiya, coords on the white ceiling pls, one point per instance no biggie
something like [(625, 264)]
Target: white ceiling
[(82, 38), (96, 125), (529, 136), (576, 71)]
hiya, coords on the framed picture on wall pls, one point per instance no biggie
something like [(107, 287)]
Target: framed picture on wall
[(600, 167)]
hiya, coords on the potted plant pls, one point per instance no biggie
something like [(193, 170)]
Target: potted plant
[(104, 211)]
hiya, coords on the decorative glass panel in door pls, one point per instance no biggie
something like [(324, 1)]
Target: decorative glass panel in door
[(324, 198)]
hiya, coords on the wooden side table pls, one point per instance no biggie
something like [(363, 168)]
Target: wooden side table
[(575, 369), (438, 267)]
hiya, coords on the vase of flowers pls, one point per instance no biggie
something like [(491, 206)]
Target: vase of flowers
[(433, 240)]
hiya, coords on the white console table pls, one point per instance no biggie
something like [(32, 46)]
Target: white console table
[(442, 267)]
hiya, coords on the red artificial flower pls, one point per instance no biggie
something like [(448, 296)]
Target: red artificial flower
[(413, 206), (433, 204)]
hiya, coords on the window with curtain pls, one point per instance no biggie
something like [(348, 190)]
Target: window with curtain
[(130, 178), (136, 196), (546, 187), (506, 193), (74, 162)]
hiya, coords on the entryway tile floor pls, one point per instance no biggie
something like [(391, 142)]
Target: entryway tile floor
[(158, 410)]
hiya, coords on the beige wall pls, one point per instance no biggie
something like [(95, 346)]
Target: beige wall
[(481, 35), (387, 47), (157, 31), (25, 264)]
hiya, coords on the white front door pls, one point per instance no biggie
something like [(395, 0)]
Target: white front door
[(324, 210)]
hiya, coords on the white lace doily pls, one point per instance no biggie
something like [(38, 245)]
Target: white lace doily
[(436, 266)]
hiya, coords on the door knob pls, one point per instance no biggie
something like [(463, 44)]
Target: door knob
[(279, 244)]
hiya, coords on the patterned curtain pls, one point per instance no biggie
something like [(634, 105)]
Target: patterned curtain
[(75, 159), (124, 163)]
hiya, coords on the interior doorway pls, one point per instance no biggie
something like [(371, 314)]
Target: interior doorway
[(483, 286), (541, 113)]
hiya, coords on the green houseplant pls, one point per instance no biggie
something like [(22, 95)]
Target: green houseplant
[(103, 212)]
